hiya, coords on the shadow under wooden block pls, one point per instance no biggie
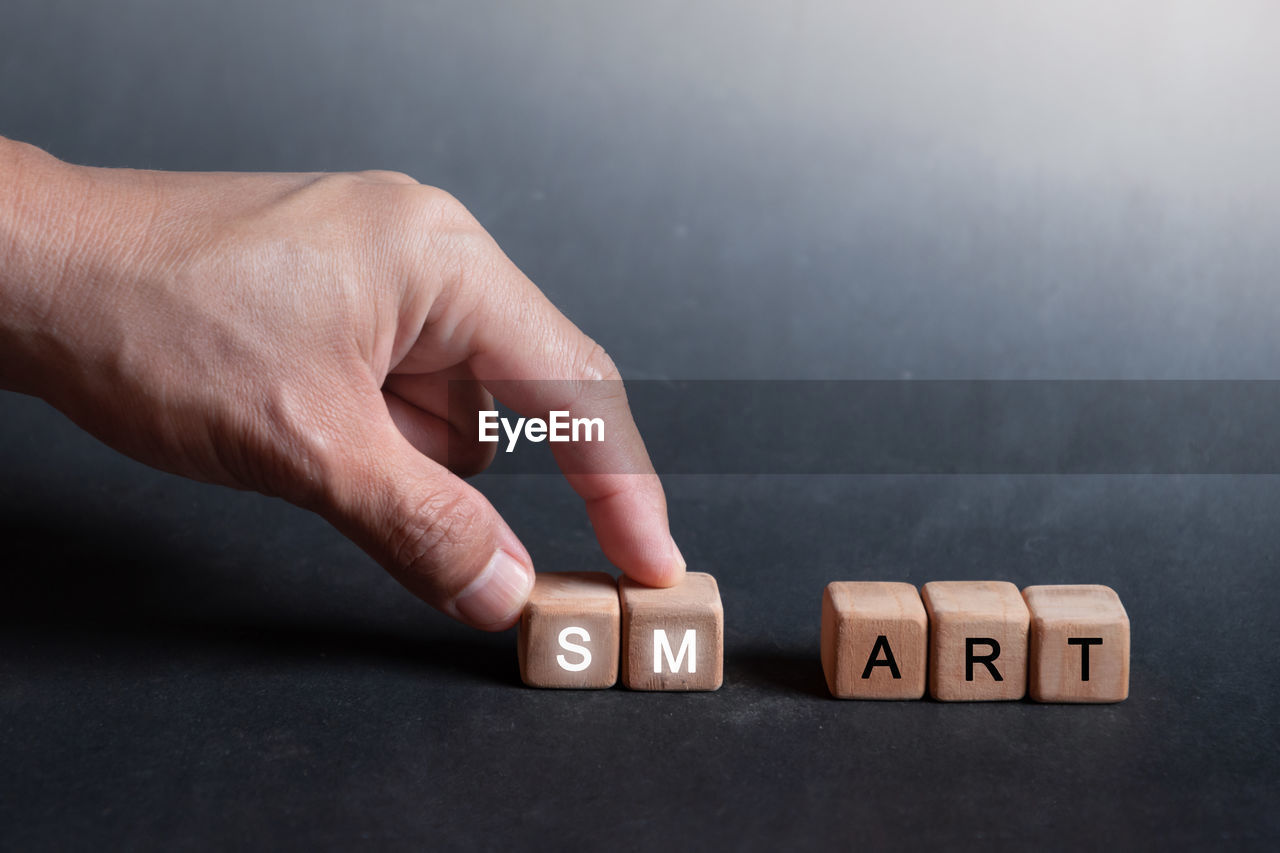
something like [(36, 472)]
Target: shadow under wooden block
[(570, 630), (672, 639), (978, 640), (875, 640), (1079, 644)]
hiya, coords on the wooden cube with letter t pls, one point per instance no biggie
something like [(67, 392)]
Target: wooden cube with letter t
[(1079, 644), (672, 639), (978, 640), (569, 631), (875, 640)]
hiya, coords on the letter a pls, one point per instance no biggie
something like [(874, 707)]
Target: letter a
[(882, 644)]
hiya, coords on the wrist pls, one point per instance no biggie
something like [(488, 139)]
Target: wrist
[(60, 228), (35, 232)]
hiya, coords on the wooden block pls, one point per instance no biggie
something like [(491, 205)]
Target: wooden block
[(875, 640), (672, 639), (569, 631), (1079, 644), (978, 642)]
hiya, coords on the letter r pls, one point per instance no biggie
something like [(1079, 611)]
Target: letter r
[(988, 660)]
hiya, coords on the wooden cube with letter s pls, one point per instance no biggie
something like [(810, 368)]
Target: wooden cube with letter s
[(569, 631)]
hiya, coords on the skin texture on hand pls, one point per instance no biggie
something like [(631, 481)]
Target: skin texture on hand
[(303, 335)]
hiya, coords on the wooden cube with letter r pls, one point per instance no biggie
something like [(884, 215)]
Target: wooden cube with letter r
[(569, 631), (672, 639), (977, 640)]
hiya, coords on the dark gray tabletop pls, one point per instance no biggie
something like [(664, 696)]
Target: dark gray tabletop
[(730, 191)]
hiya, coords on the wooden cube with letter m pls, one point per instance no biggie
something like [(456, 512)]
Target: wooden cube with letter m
[(672, 639)]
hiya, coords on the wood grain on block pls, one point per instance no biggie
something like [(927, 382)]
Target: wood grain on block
[(1079, 644), (672, 639), (978, 640), (570, 631), (875, 640)]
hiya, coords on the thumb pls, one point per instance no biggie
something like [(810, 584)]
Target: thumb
[(433, 532)]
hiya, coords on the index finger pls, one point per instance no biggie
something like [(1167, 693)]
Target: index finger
[(535, 360)]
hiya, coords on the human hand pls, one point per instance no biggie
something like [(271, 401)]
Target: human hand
[(296, 334)]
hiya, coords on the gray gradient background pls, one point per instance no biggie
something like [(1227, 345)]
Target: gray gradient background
[(712, 190)]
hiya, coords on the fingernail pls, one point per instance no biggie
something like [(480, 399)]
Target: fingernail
[(496, 596), (679, 557)]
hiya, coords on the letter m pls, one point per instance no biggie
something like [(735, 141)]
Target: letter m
[(662, 648)]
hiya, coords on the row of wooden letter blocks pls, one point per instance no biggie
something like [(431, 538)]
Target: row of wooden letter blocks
[(975, 640), (964, 640), (579, 626)]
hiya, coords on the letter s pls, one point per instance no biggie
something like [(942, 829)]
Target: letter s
[(566, 635)]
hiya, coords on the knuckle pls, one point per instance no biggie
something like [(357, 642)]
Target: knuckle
[(421, 232), (433, 525), (456, 245), (338, 184), (597, 383), (443, 210), (434, 213), (597, 364), (387, 176)]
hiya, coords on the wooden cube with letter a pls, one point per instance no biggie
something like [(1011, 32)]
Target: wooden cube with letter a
[(875, 640), (978, 640), (569, 632), (1079, 644), (672, 639)]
